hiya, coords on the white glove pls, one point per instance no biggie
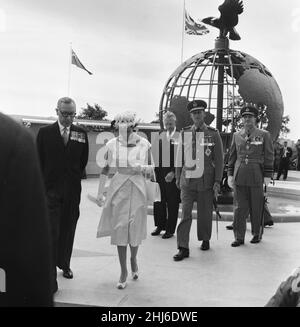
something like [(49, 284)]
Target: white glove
[(100, 200), (267, 180), (230, 181), (101, 187), (148, 171)]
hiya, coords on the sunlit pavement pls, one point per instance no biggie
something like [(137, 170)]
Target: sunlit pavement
[(223, 276)]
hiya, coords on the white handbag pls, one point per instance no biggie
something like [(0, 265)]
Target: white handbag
[(152, 190)]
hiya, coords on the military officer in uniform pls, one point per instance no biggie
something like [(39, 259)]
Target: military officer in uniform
[(199, 170), (250, 166)]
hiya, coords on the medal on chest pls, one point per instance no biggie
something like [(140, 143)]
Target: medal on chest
[(257, 140), (208, 152), (208, 142)]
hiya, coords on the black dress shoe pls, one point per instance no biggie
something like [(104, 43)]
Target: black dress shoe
[(255, 239), (156, 231), (204, 246), (269, 223), (182, 253), (237, 243), (67, 273), (167, 235), (229, 227)]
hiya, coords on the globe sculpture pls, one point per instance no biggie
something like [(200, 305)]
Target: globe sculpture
[(225, 79)]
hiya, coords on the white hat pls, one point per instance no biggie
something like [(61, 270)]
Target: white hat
[(126, 119)]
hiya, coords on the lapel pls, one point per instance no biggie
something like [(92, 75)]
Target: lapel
[(69, 144), (57, 138)]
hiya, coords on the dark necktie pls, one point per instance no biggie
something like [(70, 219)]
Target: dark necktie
[(65, 136)]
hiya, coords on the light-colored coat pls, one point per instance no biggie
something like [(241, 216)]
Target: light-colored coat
[(124, 215)]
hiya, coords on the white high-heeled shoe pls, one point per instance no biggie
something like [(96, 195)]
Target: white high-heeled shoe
[(135, 275), (121, 286)]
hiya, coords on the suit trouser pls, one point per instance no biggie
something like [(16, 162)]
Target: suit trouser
[(267, 214), (283, 168), (249, 199), (204, 199), (63, 220), (68, 223), (166, 211)]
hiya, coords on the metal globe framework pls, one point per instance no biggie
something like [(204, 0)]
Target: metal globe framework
[(224, 78)]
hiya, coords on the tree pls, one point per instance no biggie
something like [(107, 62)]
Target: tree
[(233, 109), (156, 120), (95, 112)]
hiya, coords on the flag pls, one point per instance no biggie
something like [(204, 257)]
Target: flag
[(77, 62), (193, 28)]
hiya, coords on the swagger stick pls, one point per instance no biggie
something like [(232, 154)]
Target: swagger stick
[(218, 215), (262, 220)]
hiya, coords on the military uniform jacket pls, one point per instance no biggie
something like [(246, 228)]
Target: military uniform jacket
[(206, 151), (251, 157)]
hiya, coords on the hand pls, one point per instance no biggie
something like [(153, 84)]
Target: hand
[(137, 168), (100, 200), (169, 177), (267, 180), (230, 181), (216, 189)]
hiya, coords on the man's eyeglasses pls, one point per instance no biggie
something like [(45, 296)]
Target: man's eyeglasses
[(67, 114)]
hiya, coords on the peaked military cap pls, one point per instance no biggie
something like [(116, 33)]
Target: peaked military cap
[(249, 109), (196, 105)]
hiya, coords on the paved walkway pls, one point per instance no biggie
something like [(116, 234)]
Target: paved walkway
[(222, 276)]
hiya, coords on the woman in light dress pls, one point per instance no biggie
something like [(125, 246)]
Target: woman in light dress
[(124, 214)]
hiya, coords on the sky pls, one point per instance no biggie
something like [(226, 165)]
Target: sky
[(132, 47)]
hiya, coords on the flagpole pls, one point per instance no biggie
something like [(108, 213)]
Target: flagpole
[(183, 26), (70, 66)]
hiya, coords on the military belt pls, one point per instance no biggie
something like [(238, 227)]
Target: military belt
[(249, 160)]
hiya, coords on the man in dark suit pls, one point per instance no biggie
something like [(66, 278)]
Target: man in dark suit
[(285, 155), (63, 150), (166, 211), (25, 244)]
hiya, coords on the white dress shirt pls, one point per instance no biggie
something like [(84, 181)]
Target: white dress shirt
[(62, 128), (170, 135)]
